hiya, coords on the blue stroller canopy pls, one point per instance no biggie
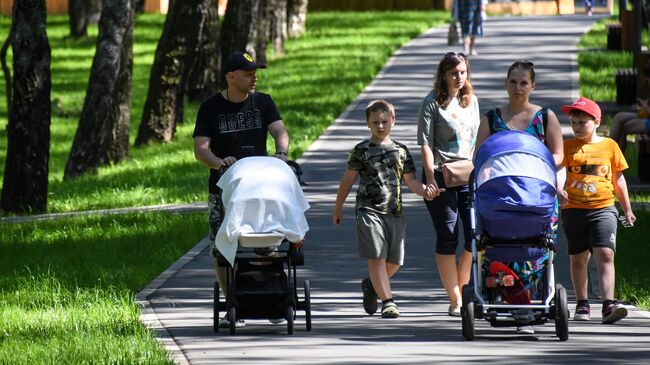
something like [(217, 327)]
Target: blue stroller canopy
[(515, 186)]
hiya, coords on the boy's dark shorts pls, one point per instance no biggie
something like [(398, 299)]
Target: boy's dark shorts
[(589, 228), (381, 236)]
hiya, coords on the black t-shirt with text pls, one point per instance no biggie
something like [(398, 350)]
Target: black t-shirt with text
[(235, 129)]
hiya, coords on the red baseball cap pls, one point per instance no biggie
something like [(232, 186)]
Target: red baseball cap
[(586, 105)]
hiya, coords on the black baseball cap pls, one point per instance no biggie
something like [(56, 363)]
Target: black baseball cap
[(241, 61)]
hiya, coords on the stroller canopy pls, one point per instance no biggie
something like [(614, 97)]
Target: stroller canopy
[(260, 194), (515, 186)]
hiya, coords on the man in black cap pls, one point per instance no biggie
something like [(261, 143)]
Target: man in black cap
[(231, 125)]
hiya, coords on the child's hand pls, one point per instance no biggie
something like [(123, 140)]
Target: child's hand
[(435, 189), (630, 218), (562, 197), (428, 192), (337, 216)]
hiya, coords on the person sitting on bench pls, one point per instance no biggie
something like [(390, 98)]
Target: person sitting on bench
[(625, 123)]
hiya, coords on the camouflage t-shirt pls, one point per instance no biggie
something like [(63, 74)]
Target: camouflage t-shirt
[(381, 168)]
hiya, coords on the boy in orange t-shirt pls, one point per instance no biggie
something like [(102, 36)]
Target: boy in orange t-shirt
[(594, 166)]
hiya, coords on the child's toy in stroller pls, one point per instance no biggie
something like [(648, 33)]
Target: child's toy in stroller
[(260, 242), (507, 281), (513, 198)]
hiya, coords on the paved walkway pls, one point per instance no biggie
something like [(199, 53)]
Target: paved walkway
[(179, 302)]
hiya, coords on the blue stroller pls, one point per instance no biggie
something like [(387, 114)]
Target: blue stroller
[(513, 198)]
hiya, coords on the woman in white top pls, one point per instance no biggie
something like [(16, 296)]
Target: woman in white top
[(447, 126)]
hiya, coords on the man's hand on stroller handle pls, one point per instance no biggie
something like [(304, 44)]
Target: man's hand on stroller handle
[(228, 161)]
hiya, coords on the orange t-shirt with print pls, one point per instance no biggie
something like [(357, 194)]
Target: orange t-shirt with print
[(591, 170)]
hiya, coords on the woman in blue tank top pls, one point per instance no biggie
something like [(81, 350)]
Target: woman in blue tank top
[(520, 114)]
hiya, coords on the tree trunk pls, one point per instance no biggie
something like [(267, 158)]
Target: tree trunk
[(103, 133), (175, 55), (296, 17), (237, 30), (646, 14), (204, 77), (82, 13), (25, 182), (278, 24), (247, 26), (93, 10), (139, 7), (262, 24), (77, 10)]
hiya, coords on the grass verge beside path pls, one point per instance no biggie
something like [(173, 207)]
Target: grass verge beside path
[(632, 257), (321, 73), (67, 287)]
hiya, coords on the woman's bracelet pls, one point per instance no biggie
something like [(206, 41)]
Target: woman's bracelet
[(281, 153)]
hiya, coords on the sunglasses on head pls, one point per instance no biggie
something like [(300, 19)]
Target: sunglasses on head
[(456, 54)]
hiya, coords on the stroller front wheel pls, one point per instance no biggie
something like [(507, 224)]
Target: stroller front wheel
[(215, 308), (561, 313), (232, 316), (307, 306), (290, 315), (467, 313)]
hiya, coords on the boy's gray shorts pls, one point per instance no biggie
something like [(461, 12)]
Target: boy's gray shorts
[(589, 228), (381, 236)]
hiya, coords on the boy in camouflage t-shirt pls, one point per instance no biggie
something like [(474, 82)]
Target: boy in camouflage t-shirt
[(382, 164)]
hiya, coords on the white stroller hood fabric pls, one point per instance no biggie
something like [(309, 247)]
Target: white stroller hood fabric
[(260, 194)]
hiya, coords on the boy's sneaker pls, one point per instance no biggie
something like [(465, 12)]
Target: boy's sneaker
[(525, 330), (369, 296), (614, 312), (225, 323), (582, 313), (389, 310)]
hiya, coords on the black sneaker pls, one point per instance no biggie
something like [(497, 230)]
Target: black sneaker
[(614, 312), (582, 313), (369, 296)]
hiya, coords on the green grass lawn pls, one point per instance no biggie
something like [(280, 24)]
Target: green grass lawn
[(321, 73), (67, 287)]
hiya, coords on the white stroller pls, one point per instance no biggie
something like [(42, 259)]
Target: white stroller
[(260, 241)]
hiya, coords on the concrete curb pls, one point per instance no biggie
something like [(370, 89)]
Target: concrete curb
[(169, 208), (148, 315)]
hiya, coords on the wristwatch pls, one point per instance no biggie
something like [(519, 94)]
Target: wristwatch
[(281, 153)]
